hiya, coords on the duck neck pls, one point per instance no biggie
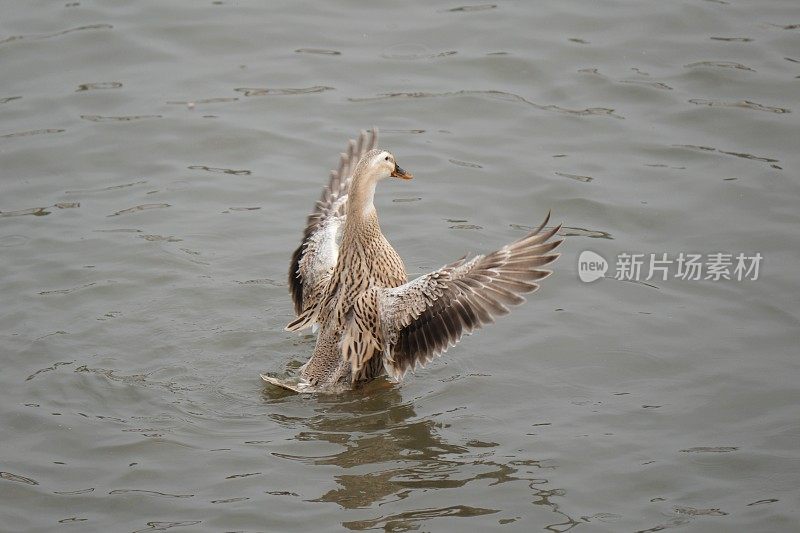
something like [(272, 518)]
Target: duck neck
[(362, 219)]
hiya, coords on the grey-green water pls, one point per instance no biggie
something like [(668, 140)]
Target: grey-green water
[(144, 243)]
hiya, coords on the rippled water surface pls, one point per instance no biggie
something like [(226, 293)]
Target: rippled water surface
[(157, 161)]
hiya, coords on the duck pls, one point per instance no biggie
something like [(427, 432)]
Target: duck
[(350, 286)]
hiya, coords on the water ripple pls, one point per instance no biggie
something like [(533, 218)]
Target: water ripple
[(318, 51), (142, 207), (501, 95), (121, 118), (56, 34), (191, 103), (101, 85), (261, 281), (39, 211), (761, 502), (266, 91), (221, 170), (411, 131), (235, 476), (8, 476), (732, 39), (720, 64), (160, 238), (67, 291), (109, 188), (6, 241), (231, 500), (576, 177), (466, 226), (410, 199), (119, 230), (648, 83), (786, 26), (745, 104), (32, 132), (470, 8), (693, 511), (74, 492), (742, 155), (466, 164), (35, 211), (710, 449), (132, 379), (243, 208), (405, 521), (161, 526), (413, 52), (150, 492), (655, 84), (49, 368)]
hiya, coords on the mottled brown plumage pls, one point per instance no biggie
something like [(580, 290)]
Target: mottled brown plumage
[(347, 280)]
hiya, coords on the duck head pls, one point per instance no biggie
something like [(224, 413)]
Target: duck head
[(373, 167), (379, 164)]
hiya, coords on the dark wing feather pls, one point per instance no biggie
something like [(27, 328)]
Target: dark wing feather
[(426, 316), (327, 208)]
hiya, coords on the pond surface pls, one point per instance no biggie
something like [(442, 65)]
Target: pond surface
[(157, 162)]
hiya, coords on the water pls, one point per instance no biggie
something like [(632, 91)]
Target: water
[(159, 158)]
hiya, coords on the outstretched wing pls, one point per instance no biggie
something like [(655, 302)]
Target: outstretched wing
[(313, 261), (426, 316)]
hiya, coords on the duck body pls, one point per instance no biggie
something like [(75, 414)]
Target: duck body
[(366, 263), (350, 284)]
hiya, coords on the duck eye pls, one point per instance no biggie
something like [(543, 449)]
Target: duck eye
[(387, 158)]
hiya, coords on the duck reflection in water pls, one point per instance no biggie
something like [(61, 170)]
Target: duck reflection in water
[(389, 454)]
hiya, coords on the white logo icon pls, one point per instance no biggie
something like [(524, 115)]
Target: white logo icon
[(591, 266)]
